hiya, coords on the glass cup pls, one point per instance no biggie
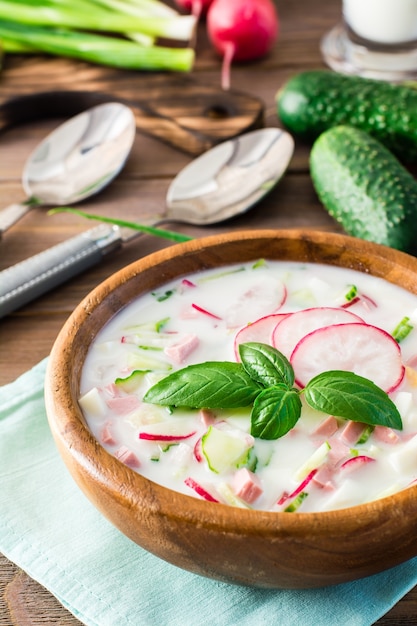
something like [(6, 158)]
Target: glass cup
[(376, 39)]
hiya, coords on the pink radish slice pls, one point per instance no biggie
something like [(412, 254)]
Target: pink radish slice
[(291, 330), (199, 489), (166, 432), (165, 438), (198, 451), (360, 348), (356, 462), (299, 488), (260, 331), (265, 297), (205, 311)]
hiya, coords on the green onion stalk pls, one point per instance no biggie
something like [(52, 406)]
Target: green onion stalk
[(118, 33)]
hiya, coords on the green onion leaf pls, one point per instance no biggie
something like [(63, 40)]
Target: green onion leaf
[(150, 230)]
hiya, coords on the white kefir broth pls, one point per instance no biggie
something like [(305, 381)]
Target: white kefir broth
[(382, 21), (205, 312)]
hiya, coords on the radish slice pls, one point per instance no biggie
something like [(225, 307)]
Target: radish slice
[(356, 462), (291, 330), (260, 331), (263, 298), (198, 451), (199, 489), (168, 432), (299, 488), (360, 348)]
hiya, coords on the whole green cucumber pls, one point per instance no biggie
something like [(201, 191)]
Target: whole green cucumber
[(365, 188), (313, 101)]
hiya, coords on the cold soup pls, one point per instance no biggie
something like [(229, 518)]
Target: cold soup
[(270, 385)]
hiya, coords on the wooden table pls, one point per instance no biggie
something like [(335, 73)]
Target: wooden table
[(28, 334)]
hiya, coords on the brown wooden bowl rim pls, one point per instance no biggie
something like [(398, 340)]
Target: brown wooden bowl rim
[(67, 426)]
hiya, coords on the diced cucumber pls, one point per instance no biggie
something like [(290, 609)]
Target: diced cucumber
[(93, 403), (296, 503), (230, 497), (143, 361), (315, 460), (131, 383), (224, 450)]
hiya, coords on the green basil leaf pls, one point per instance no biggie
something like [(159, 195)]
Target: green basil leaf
[(266, 365), (352, 397), (275, 411), (211, 385)]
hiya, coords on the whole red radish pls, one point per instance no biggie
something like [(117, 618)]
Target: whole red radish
[(196, 7), (241, 30)]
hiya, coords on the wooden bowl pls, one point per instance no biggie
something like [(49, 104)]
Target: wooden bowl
[(258, 548)]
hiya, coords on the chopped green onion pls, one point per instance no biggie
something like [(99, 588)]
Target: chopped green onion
[(259, 263), (159, 325), (401, 331), (352, 293), (161, 297)]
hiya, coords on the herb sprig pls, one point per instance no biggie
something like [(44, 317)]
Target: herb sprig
[(149, 230), (264, 378)]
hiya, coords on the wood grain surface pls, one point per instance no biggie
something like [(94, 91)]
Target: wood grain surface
[(139, 191)]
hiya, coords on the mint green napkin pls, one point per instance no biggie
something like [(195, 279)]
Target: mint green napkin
[(49, 529)]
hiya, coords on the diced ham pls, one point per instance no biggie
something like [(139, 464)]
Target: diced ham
[(106, 434), (338, 451), (179, 351), (123, 404), (352, 432), (112, 390), (207, 417), (323, 478), (385, 434), (246, 485), (327, 427), (126, 456)]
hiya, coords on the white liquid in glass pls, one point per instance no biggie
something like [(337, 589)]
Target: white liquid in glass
[(383, 21)]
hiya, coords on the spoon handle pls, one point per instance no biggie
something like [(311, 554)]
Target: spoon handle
[(29, 279), (11, 214)]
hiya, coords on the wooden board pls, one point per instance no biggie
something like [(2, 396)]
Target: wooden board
[(180, 110)]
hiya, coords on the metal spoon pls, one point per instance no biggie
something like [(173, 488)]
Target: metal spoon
[(224, 182), (76, 160)]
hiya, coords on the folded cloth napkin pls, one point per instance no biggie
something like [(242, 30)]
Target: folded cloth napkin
[(50, 530)]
